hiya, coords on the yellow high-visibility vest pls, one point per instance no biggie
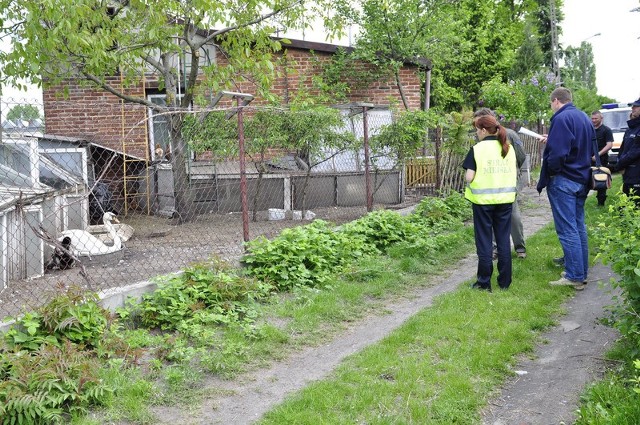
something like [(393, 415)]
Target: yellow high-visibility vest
[(495, 179)]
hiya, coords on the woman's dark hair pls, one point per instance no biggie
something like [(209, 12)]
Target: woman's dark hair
[(489, 123)]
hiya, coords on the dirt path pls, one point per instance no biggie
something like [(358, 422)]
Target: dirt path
[(546, 394)]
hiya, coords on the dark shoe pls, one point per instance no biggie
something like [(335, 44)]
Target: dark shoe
[(564, 274), (480, 287), (580, 286), (558, 262)]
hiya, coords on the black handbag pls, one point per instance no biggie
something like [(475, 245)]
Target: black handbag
[(600, 176)]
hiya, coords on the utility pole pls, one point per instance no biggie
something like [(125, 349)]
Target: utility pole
[(555, 63)]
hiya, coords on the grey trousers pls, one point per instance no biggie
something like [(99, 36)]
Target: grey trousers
[(517, 230)]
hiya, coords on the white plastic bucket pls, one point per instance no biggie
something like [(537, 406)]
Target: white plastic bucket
[(276, 214)]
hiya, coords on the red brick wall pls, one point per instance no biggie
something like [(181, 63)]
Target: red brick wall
[(103, 118), (97, 116)]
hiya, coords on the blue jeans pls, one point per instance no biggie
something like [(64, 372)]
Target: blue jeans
[(567, 200), (487, 221)]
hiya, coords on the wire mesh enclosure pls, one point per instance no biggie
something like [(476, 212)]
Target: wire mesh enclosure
[(128, 194)]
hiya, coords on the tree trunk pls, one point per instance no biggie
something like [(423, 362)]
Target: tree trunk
[(179, 152)]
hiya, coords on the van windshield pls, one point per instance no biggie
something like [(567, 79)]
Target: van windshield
[(616, 120)]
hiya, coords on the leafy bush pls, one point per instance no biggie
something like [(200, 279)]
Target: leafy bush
[(303, 256), (381, 229), (74, 315), (619, 241), (443, 212), (207, 292), (610, 401), (42, 386)]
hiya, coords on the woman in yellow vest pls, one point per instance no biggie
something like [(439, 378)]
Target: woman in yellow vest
[(491, 174)]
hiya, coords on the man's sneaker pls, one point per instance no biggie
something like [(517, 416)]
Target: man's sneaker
[(558, 262), (564, 274), (563, 281), (521, 254)]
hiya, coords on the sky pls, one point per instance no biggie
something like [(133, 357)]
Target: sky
[(615, 50)]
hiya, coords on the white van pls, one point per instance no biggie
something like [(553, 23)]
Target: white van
[(615, 116)]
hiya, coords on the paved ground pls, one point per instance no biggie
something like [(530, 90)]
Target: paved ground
[(545, 392)]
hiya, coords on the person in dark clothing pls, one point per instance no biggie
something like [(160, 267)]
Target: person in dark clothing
[(565, 173), (491, 175), (604, 138), (517, 229), (629, 158)]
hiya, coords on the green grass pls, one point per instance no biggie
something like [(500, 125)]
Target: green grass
[(441, 366), (443, 363)]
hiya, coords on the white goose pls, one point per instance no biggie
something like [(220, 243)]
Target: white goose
[(84, 243)]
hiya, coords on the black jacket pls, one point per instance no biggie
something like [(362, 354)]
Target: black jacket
[(629, 158)]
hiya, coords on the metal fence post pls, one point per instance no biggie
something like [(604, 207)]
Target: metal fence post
[(367, 172), (243, 174)]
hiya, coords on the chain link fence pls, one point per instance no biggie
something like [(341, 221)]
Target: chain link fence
[(136, 194)]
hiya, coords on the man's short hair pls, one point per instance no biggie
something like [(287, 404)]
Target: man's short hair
[(563, 95), (482, 112), (596, 112)]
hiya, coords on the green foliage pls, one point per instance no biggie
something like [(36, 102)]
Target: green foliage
[(314, 130), (404, 137), (396, 31), (451, 211), (381, 229), (611, 401), (481, 43), (56, 39), (457, 127), (619, 243), (302, 256), (588, 100), (529, 56), (206, 293), (211, 132), (342, 74), (74, 315), (579, 69), (23, 112), (504, 98), (524, 100), (42, 386)]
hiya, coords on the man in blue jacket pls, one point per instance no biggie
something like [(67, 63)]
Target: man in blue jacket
[(566, 170), (629, 158)]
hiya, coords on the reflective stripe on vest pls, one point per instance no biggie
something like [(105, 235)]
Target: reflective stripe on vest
[(495, 178)]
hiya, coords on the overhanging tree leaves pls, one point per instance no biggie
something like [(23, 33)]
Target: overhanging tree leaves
[(23, 112), (177, 42), (468, 41), (394, 31)]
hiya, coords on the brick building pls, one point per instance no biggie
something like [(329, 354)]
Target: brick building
[(136, 133), (101, 117)]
